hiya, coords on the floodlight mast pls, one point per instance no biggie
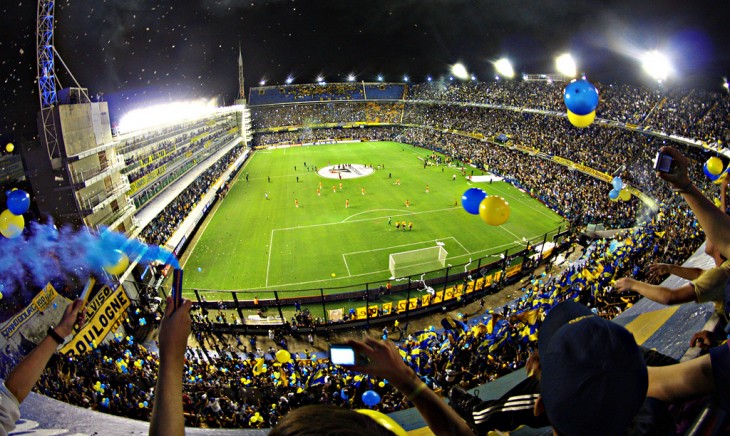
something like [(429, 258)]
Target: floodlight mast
[(46, 76), (46, 55)]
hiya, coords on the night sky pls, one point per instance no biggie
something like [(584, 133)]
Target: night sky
[(136, 52)]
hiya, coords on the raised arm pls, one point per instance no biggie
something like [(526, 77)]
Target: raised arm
[(167, 411), (660, 294), (657, 270), (386, 362), (25, 375), (713, 221)]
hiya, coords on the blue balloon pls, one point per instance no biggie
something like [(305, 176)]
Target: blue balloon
[(617, 183), (343, 394), (471, 200), (581, 97), (370, 398), (613, 194), (18, 202), (709, 175)]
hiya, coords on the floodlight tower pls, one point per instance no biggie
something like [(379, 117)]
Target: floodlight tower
[(46, 76)]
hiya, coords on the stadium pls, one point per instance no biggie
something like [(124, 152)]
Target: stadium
[(306, 215)]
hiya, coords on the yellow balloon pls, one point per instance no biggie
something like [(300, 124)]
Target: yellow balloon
[(714, 165), (283, 356), (120, 266), (11, 226), (624, 195), (384, 421), (10, 147), (581, 121), (494, 210)]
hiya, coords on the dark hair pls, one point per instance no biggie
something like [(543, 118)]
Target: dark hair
[(327, 420)]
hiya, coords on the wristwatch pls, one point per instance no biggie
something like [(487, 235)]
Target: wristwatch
[(56, 337)]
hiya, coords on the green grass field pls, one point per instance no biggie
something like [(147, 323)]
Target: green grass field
[(254, 243)]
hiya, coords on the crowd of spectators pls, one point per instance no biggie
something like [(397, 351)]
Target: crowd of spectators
[(250, 388), (144, 161), (159, 230)]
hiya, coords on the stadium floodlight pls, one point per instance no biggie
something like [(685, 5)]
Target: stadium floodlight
[(405, 78), (350, 77), (289, 80), (565, 64), (504, 68), (656, 65), (164, 114), (428, 78), (262, 82), (725, 84), (320, 79), (380, 78), (473, 78), (459, 71)]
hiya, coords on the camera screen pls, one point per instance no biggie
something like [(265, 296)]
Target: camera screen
[(663, 163), (342, 356)]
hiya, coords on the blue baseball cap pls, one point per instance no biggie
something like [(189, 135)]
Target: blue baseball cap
[(594, 378)]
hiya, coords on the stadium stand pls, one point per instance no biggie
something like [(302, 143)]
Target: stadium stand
[(240, 387)]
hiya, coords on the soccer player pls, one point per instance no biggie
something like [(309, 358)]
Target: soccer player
[(408, 203), (389, 220), (410, 225), (296, 203), (266, 195), (397, 225), (362, 190), (340, 186), (453, 177), (427, 189), (317, 192), (347, 203), (334, 188), (403, 224)]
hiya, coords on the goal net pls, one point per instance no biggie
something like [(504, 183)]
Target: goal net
[(412, 262)]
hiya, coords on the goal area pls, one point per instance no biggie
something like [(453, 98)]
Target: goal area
[(418, 261)]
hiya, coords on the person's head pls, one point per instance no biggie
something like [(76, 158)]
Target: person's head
[(593, 375), (328, 420)]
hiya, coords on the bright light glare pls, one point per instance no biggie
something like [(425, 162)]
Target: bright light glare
[(504, 68), (320, 79), (351, 78), (380, 78), (566, 65), (163, 114), (289, 80), (405, 78), (656, 65), (262, 82), (459, 71)]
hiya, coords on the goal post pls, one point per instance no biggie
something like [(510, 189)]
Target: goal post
[(418, 261)]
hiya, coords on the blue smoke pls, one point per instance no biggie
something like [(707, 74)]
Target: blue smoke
[(45, 253)]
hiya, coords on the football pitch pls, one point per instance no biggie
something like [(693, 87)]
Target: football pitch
[(340, 237)]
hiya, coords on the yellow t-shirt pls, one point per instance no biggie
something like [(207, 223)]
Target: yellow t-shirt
[(710, 286)]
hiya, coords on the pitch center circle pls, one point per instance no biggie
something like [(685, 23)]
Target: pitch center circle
[(345, 171)]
